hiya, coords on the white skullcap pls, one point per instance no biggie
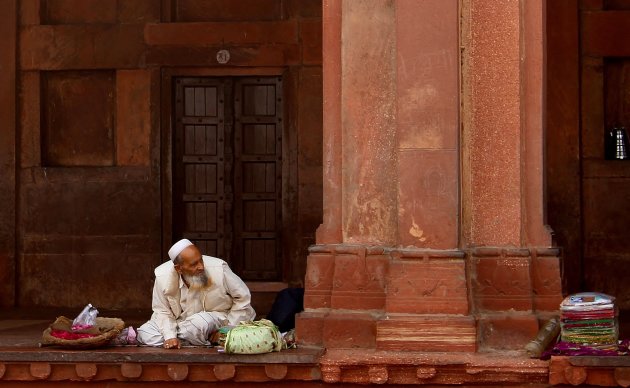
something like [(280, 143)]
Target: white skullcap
[(178, 247)]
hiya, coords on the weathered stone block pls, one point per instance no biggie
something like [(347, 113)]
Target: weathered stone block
[(206, 34), (501, 283), (81, 11), (139, 11), (30, 12), (224, 372), (428, 203), (309, 327), (368, 109), (51, 272), (62, 47), (76, 208), (427, 76), (506, 332), (79, 112), (359, 280), (349, 330), (133, 117), (428, 333), (320, 268), (432, 286), (304, 8), (546, 283), (311, 38), (30, 119), (563, 372), (251, 55), (227, 10)]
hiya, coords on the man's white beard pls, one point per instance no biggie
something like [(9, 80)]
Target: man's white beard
[(196, 282)]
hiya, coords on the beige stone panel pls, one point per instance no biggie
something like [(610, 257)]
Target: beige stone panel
[(368, 121), (427, 73)]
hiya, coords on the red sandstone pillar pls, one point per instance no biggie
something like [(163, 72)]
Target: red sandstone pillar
[(396, 266), (514, 271), (391, 182)]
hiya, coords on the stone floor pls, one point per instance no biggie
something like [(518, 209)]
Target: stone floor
[(24, 363), (23, 360)]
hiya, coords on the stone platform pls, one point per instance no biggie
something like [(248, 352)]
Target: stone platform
[(23, 360), (24, 363), (590, 370)]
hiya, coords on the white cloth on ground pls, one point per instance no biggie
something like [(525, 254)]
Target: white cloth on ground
[(196, 330), (227, 300)]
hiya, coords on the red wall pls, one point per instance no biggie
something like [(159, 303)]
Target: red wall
[(91, 172)]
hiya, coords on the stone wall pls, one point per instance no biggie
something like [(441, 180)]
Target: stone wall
[(92, 173)]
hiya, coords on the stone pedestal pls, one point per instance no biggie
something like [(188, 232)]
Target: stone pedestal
[(433, 235), (427, 300), (385, 298)]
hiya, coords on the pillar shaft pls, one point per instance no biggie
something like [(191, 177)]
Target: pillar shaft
[(395, 257)]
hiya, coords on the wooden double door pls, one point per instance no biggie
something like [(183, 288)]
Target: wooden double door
[(227, 170)]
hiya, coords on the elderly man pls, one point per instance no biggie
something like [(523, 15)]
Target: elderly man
[(193, 295)]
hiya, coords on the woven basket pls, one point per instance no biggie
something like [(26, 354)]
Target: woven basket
[(109, 328)]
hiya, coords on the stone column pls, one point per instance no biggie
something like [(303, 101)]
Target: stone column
[(396, 266), (514, 271), (387, 260), (426, 290)]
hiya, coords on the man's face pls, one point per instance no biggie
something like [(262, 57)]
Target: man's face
[(192, 263)]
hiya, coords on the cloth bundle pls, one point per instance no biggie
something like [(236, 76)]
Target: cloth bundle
[(253, 337), (589, 318)]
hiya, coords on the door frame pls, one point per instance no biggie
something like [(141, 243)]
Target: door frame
[(562, 137), (289, 155)]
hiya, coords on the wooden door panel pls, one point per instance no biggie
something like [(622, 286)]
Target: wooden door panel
[(259, 99), (258, 177), (259, 216), (200, 101), (200, 140), (201, 178), (200, 166), (228, 171), (260, 255), (201, 216), (259, 139)]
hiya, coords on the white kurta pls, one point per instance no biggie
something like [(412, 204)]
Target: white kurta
[(192, 315)]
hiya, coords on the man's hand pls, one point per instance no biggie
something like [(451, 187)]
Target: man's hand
[(172, 343)]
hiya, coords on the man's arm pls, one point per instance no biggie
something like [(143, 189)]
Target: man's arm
[(164, 317), (241, 298)]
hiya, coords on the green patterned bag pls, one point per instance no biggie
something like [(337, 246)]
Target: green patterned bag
[(253, 337)]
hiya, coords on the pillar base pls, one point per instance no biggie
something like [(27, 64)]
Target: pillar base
[(427, 333), (427, 300), (389, 367)]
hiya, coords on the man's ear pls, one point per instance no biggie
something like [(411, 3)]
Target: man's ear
[(178, 268)]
